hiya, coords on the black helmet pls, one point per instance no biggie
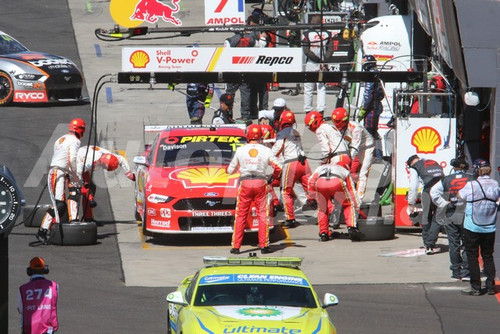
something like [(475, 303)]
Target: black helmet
[(369, 62)]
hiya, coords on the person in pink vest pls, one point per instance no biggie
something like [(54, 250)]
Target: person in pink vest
[(38, 300)]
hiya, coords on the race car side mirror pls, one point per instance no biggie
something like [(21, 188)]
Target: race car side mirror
[(330, 300), (141, 160), (176, 298)]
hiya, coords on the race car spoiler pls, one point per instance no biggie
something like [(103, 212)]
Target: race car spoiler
[(159, 128), (253, 260)]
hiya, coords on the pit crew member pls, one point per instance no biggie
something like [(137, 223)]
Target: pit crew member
[(288, 148), (93, 158), (450, 212), (251, 160), (198, 97), (224, 115), (64, 168), (361, 146), (429, 172), (37, 300)]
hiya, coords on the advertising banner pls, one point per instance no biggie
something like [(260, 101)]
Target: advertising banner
[(429, 138), (163, 59)]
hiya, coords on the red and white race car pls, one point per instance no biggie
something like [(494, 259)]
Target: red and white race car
[(182, 185)]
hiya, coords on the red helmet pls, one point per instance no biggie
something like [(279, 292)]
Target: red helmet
[(254, 132), (287, 117), (267, 131), (340, 118), (77, 126), (109, 161), (437, 84), (313, 120)]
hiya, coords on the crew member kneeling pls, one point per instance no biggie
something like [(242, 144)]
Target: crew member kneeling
[(252, 160)]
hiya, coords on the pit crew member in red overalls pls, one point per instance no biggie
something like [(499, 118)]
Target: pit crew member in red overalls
[(252, 160), (329, 182), (334, 150), (37, 302), (361, 146), (269, 138), (92, 158), (64, 168), (288, 148)]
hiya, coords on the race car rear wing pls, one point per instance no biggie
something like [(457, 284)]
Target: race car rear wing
[(253, 260), (159, 128)]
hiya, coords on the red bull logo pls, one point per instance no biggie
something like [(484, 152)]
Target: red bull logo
[(152, 10), (426, 140), (132, 13)]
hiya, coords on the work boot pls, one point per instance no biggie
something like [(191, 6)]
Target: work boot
[(41, 235), (324, 236), (290, 223), (266, 250), (195, 120), (470, 291), (93, 204), (234, 251), (354, 234)]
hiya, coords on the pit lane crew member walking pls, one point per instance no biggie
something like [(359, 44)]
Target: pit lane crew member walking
[(93, 158), (288, 148), (37, 300), (64, 168), (361, 146), (198, 97), (224, 115), (450, 212), (269, 138), (329, 182), (430, 173), (482, 196), (371, 107), (251, 160)]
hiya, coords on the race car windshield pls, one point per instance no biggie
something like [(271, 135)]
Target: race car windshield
[(9, 45), (254, 294), (197, 150)]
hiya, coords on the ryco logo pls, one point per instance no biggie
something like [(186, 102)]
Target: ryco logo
[(30, 97), (426, 140)]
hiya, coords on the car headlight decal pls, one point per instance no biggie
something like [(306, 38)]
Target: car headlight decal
[(203, 326), (157, 198), (317, 328)]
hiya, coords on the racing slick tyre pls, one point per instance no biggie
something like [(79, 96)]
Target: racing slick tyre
[(6, 89), (376, 228), (74, 234), (33, 215)]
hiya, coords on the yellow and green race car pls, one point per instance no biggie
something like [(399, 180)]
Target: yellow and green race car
[(249, 295)]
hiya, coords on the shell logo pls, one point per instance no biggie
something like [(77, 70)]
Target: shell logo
[(426, 140), (139, 59), (253, 153), (205, 177)]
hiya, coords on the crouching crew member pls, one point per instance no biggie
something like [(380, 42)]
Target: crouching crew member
[(288, 148), (37, 302), (361, 146), (93, 158), (252, 160), (63, 169)]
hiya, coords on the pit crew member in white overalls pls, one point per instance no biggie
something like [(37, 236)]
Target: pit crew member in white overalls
[(361, 145), (64, 168), (252, 160)]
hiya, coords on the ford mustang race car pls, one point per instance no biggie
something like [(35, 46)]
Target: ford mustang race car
[(182, 185), (27, 76), (249, 295)]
